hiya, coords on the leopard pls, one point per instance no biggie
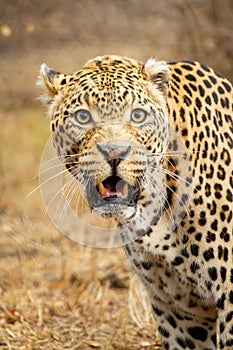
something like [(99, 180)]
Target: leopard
[(150, 144)]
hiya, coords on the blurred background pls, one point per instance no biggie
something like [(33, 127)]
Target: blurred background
[(64, 34), (36, 262)]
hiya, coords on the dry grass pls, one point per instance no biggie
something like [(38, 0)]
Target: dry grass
[(58, 295), (54, 293)]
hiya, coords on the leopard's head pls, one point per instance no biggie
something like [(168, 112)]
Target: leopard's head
[(110, 127)]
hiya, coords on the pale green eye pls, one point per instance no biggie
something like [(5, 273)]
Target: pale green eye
[(82, 116), (138, 115)]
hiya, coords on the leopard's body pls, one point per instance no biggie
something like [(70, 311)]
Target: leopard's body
[(117, 119)]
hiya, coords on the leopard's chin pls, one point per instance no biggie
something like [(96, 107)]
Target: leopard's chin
[(121, 214)]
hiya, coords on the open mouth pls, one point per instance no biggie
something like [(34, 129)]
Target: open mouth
[(113, 187), (113, 190)]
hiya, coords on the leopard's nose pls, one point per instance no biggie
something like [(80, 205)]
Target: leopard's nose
[(114, 151)]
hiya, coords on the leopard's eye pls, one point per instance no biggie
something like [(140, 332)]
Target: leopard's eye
[(82, 117), (138, 115)]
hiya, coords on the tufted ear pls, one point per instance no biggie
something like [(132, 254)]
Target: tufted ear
[(49, 81), (158, 73)]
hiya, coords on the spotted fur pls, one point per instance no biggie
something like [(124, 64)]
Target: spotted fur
[(177, 221)]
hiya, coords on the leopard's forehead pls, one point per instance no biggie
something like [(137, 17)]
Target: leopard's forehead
[(107, 81), (113, 62), (114, 68), (106, 84)]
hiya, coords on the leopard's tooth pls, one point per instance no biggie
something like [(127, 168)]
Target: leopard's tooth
[(124, 190), (102, 189)]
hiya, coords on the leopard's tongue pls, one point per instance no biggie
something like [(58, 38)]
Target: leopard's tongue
[(113, 187)]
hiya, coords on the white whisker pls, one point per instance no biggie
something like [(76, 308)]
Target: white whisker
[(182, 153), (72, 183), (168, 208), (177, 178), (65, 157), (47, 180), (57, 194)]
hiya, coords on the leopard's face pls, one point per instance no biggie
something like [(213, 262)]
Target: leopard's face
[(110, 126)]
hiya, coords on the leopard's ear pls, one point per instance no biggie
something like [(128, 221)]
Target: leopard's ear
[(50, 82), (158, 73)]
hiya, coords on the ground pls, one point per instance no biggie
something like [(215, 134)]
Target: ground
[(55, 294)]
